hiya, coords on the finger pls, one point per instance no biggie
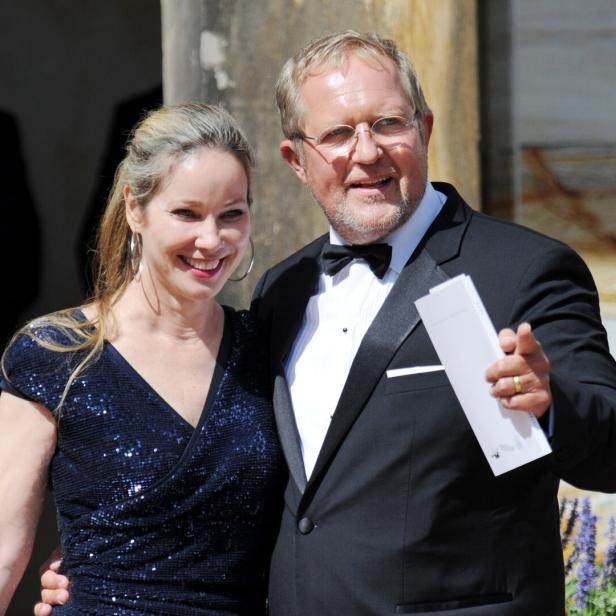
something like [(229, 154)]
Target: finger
[(42, 609), (537, 402), (53, 562), (506, 367), (509, 386), (53, 581), (507, 340), (54, 597), (527, 343)]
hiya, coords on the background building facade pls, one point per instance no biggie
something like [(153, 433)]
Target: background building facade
[(523, 93)]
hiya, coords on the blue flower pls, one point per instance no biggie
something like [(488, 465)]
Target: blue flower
[(586, 547), (609, 563)]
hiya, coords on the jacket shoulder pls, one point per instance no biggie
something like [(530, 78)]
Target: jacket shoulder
[(300, 263)]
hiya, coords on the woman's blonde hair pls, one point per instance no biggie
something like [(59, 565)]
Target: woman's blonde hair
[(159, 141)]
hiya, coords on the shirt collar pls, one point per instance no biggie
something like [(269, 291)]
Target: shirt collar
[(405, 239)]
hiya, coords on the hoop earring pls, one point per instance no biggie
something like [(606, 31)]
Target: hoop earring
[(134, 251), (252, 262)]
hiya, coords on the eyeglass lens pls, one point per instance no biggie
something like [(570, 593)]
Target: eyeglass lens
[(341, 138)]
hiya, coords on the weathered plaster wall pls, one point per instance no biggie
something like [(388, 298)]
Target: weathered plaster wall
[(564, 92)]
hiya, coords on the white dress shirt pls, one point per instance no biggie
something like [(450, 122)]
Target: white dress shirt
[(336, 320)]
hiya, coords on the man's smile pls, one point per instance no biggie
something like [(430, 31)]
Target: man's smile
[(371, 183)]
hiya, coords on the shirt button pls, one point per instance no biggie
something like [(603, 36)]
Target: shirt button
[(305, 526), (345, 330)]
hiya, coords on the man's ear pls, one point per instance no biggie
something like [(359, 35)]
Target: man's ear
[(428, 123), (289, 153), (134, 212)]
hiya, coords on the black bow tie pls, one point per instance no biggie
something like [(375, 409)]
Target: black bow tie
[(334, 258)]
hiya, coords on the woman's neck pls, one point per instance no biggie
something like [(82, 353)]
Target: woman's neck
[(136, 315)]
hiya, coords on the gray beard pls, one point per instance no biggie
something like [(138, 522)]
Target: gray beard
[(347, 228)]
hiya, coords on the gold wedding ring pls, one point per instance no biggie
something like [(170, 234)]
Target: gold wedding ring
[(517, 384)]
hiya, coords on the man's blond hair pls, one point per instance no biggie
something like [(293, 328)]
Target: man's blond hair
[(335, 50)]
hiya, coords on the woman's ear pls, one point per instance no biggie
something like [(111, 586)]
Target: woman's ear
[(134, 212)]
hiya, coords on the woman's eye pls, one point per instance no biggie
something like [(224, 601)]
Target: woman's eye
[(232, 214), (184, 213)]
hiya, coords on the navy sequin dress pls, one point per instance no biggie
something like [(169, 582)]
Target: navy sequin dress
[(155, 516)]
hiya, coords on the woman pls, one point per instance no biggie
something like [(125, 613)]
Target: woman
[(149, 406)]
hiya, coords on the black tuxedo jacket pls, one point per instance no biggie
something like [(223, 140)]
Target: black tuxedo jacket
[(402, 514)]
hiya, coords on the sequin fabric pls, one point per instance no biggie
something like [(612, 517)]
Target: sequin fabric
[(156, 517)]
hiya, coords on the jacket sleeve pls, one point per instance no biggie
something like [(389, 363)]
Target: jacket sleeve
[(558, 297)]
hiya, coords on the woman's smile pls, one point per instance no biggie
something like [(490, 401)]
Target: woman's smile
[(203, 267)]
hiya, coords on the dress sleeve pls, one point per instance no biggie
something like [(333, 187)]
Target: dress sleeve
[(35, 373)]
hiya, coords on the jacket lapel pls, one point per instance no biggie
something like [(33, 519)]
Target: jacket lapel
[(301, 283), (288, 433)]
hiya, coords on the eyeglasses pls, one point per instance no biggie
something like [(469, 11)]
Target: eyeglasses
[(340, 140)]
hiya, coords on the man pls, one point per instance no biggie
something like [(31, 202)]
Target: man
[(391, 507)]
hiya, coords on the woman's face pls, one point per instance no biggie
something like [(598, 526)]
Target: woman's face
[(195, 229)]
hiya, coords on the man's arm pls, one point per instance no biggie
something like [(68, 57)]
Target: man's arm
[(27, 443), (571, 372), (54, 588)]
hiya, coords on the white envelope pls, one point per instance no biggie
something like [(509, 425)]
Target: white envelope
[(467, 344)]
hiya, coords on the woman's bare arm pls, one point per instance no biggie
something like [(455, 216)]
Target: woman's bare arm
[(27, 443)]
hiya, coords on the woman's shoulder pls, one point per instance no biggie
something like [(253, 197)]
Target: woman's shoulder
[(41, 356), (241, 320), (249, 356), (36, 338), (58, 331), (246, 330)]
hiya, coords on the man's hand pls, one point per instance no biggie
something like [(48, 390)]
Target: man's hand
[(54, 590), (521, 380)]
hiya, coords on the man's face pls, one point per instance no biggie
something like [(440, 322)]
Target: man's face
[(374, 189)]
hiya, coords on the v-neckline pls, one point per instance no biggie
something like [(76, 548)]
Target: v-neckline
[(222, 357)]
